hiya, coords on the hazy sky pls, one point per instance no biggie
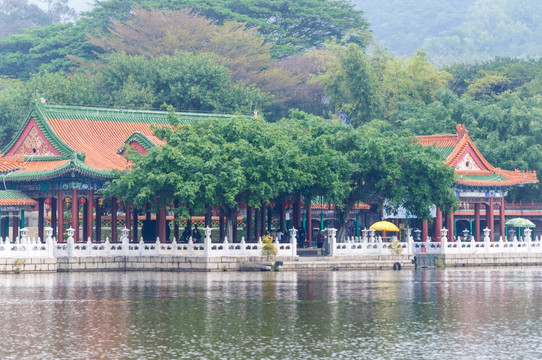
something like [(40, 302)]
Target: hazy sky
[(78, 5)]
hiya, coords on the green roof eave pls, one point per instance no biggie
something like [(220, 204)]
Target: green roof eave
[(141, 139), (38, 112), (34, 158), (122, 115), (72, 166), (13, 195), (442, 151), (492, 177)]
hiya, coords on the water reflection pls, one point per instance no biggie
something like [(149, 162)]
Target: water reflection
[(476, 314)]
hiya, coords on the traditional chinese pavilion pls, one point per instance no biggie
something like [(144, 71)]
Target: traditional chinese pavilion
[(477, 184), (63, 154)]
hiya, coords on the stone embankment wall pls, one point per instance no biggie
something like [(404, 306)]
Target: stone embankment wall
[(492, 260), (177, 263), (12, 265)]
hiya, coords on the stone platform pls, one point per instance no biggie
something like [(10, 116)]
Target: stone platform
[(255, 263)]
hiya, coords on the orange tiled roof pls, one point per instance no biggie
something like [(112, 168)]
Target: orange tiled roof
[(89, 138), (15, 198), (11, 163), (99, 140)]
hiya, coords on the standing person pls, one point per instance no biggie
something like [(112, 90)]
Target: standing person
[(196, 236), (300, 237), (185, 235), (320, 240)]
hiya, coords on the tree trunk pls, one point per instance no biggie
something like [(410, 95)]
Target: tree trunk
[(231, 222), (343, 223)]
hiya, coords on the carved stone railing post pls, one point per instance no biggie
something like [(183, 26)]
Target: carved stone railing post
[(332, 240), (364, 235), (70, 241), (23, 233), (49, 243), (207, 242), (487, 232), (444, 239), (124, 240), (293, 240)]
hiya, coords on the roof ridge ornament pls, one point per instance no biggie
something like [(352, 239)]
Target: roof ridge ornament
[(461, 130)]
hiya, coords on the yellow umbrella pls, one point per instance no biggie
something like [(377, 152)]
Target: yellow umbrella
[(384, 226)]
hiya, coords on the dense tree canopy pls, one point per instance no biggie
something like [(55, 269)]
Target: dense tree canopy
[(222, 162), (141, 54), (231, 161), (44, 49), (293, 25)]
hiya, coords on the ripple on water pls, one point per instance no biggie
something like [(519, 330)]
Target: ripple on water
[(474, 314)]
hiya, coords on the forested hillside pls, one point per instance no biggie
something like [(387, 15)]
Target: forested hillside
[(453, 31), (197, 56)]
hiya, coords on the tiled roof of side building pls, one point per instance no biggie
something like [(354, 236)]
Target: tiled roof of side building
[(455, 147), (99, 133), (15, 198), (93, 135), (10, 163)]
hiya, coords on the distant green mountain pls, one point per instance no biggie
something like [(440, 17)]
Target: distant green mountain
[(453, 31)]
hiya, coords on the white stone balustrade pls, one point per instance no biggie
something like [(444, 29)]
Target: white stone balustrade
[(366, 245)]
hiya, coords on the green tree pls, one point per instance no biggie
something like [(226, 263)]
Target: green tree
[(224, 161), (348, 165), (352, 85), (44, 49), (187, 81), (292, 25), (15, 102), (410, 80)]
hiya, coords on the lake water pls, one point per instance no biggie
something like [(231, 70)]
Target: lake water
[(423, 314)]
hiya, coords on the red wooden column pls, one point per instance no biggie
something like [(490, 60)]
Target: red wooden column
[(162, 224), (450, 225), (477, 222), (60, 216), (491, 219), (308, 223), (501, 217), (127, 217), (135, 225), (425, 229), (297, 211), (221, 224), (98, 220), (75, 215), (83, 201), (41, 218), (53, 215), (176, 221), (249, 223), (438, 225), (234, 233), (90, 209), (114, 219), (157, 224)]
